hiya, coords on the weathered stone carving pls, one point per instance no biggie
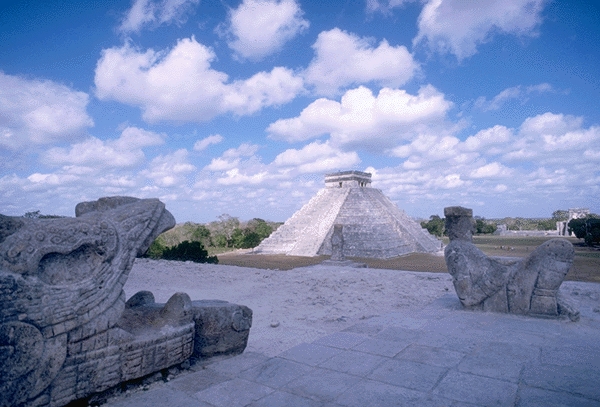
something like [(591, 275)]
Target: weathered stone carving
[(65, 329), (506, 284), (337, 250), (220, 327), (337, 243)]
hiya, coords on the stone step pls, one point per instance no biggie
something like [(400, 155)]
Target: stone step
[(299, 234)]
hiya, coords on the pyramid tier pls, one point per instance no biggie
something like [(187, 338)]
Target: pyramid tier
[(373, 227)]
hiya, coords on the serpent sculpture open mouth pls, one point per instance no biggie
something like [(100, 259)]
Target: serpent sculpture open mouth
[(507, 284), (65, 329)]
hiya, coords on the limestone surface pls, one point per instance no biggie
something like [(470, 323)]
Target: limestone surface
[(337, 243), (65, 329), (337, 251), (506, 284), (221, 327), (373, 226)]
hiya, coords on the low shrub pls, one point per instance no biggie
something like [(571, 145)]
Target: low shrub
[(188, 251)]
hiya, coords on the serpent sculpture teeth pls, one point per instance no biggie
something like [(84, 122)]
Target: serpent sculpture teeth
[(62, 335), (507, 284)]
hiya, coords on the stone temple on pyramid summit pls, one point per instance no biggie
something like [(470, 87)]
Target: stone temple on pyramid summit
[(373, 226)]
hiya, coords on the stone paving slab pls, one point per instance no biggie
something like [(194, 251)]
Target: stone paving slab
[(381, 347), (431, 355), (341, 340), (477, 390), (322, 384), (276, 372), (437, 356)]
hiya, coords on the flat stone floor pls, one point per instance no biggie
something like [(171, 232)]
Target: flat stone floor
[(437, 356)]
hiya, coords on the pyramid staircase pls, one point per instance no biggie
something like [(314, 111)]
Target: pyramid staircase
[(303, 233)]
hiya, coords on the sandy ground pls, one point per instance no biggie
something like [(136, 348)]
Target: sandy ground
[(305, 303)]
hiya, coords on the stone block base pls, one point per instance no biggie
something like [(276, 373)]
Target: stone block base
[(220, 327)]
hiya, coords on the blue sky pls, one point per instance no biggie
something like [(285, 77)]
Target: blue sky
[(241, 107)]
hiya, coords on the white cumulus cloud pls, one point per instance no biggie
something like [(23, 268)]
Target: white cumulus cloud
[(550, 124), (203, 144), (261, 27), (343, 59), (384, 6), (492, 139), (236, 177), (458, 26), (40, 112), (492, 170), (551, 137), (361, 117), (169, 170), (316, 157), (126, 151), (515, 92), (47, 180), (196, 92), (232, 157), (148, 12)]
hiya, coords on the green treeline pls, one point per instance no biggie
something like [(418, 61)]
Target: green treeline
[(436, 225), (191, 240)]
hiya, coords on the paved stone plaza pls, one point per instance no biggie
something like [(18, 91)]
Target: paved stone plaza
[(440, 355)]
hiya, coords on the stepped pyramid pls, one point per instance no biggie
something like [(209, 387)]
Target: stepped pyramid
[(373, 226)]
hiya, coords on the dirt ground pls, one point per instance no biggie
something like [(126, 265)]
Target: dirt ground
[(586, 266)]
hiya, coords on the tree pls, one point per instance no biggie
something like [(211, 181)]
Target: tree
[(593, 231), (560, 215), (237, 238), (155, 251), (189, 251), (485, 228), (245, 238), (32, 214), (546, 224), (220, 240), (520, 223), (587, 228), (577, 227), (201, 234), (226, 225), (251, 239), (435, 225), (260, 227)]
